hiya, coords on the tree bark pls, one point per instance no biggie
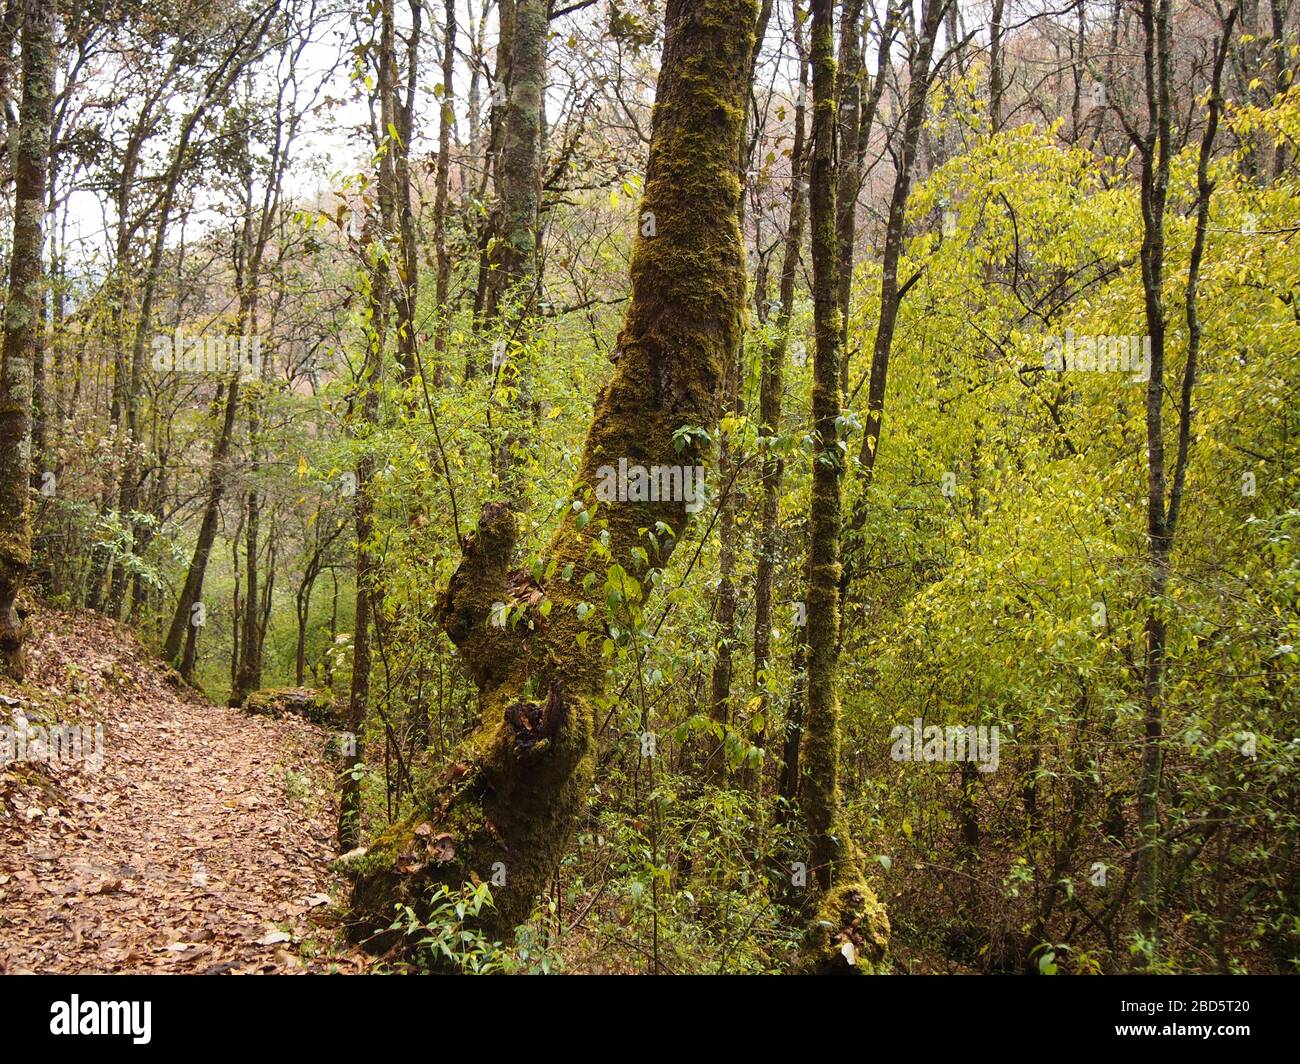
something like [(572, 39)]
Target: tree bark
[(996, 87), (849, 95), (1156, 152), (728, 472), (513, 293), (506, 809), (770, 400), (446, 119), (1155, 147), (368, 590), (1281, 74), (22, 321), (514, 279), (849, 931)]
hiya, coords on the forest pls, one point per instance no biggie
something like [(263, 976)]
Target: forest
[(650, 486)]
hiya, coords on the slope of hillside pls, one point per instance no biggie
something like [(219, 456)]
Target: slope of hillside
[(191, 838)]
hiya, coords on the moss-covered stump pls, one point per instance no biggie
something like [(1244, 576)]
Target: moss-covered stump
[(315, 706), (849, 934)]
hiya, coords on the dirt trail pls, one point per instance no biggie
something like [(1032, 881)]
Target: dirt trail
[(201, 844)]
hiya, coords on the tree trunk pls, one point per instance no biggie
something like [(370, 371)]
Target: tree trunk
[(996, 87), (849, 931), (720, 678), (446, 119), (22, 320), (248, 678), (408, 288), (849, 95), (771, 395), (371, 382), (514, 290), (1281, 74), (891, 292), (788, 784), (506, 809), (192, 591), (1156, 151), (521, 156), (729, 470)]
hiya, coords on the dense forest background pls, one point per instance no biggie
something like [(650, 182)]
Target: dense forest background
[(978, 320)]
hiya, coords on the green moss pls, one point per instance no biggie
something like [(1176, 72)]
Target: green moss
[(504, 819), (849, 934), (507, 808), (315, 706)]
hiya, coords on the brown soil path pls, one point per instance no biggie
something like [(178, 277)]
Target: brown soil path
[(201, 844)]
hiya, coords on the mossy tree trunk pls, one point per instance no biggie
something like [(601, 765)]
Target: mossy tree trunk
[(513, 294), (849, 94), (728, 478), (521, 144), (505, 811), (771, 393), (23, 321), (849, 931)]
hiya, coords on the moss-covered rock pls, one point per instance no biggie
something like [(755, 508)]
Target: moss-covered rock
[(315, 706)]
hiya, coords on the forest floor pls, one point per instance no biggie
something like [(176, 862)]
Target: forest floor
[(201, 844)]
